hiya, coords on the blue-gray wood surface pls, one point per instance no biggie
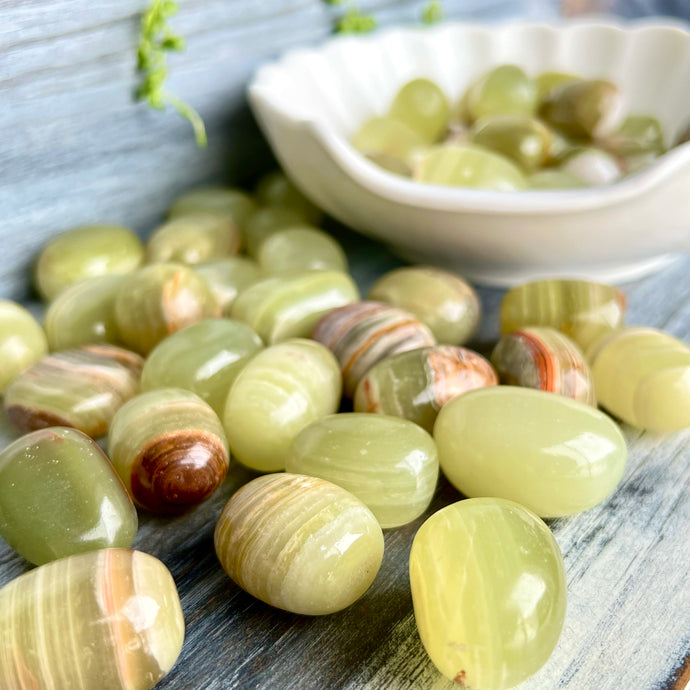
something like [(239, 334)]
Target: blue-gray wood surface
[(75, 148)]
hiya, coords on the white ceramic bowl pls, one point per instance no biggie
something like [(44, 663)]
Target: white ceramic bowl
[(311, 101)]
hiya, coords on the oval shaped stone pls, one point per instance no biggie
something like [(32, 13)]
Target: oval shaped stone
[(390, 464), (228, 277), (554, 455), (59, 495), (318, 553), (106, 619), (489, 592), (235, 204)]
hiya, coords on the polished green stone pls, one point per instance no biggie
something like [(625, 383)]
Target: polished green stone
[(593, 166), (59, 495), (84, 313), (504, 90), (489, 592), (289, 306), (267, 221), (638, 134), (554, 455), (275, 189), (384, 136), (86, 252), (547, 82), (22, 341), (204, 358), (389, 463), (237, 205), (442, 300), (423, 107), (642, 376), (228, 277), (301, 249), (280, 391), (552, 178)]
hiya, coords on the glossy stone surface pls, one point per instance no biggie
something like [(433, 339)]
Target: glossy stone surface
[(543, 358), (84, 314), (204, 358), (159, 300), (547, 82), (267, 221), (552, 178), (86, 252), (228, 277), (22, 341), (642, 376), (423, 107), (592, 166), (193, 238), (81, 388), (275, 189), (237, 205), (301, 249), (362, 334), (59, 495), (169, 448), (390, 464), (299, 543), (280, 391), (554, 455), (289, 306), (415, 385), (384, 137), (489, 592), (581, 309), (504, 90), (106, 619), (442, 300)]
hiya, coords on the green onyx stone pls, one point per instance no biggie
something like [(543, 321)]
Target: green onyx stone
[(442, 300), (279, 392), (552, 454), (643, 377), (275, 189), (86, 252), (106, 619), (158, 300), (546, 359), (193, 238), (390, 464), (384, 136), (581, 309), (469, 166), (84, 314), (415, 385), (22, 341), (301, 249), (552, 178), (59, 495), (423, 107), (489, 592), (504, 90), (299, 543), (391, 164), (228, 277), (267, 221), (594, 167), (637, 134), (80, 388), (169, 448), (235, 204), (548, 82), (204, 358), (289, 306)]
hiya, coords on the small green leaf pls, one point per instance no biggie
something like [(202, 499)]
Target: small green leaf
[(432, 12), (354, 22)]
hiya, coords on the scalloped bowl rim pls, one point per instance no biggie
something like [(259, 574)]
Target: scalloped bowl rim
[(408, 192)]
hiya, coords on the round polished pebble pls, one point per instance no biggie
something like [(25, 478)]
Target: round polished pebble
[(84, 314), (280, 391), (489, 592), (59, 495), (547, 82), (235, 204), (169, 448), (504, 90), (581, 309), (415, 385), (554, 455), (228, 277), (301, 249), (275, 189), (204, 358), (86, 252), (289, 306), (552, 178), (592, 166), (81, 388), (364, 333), (158, 300), (442, 300), (543, 358), (423, 107), (388, 138), (193, 238), (642, 376), (22, 341), (108, 619), (269, 220), (299, 543), (390, 464)]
